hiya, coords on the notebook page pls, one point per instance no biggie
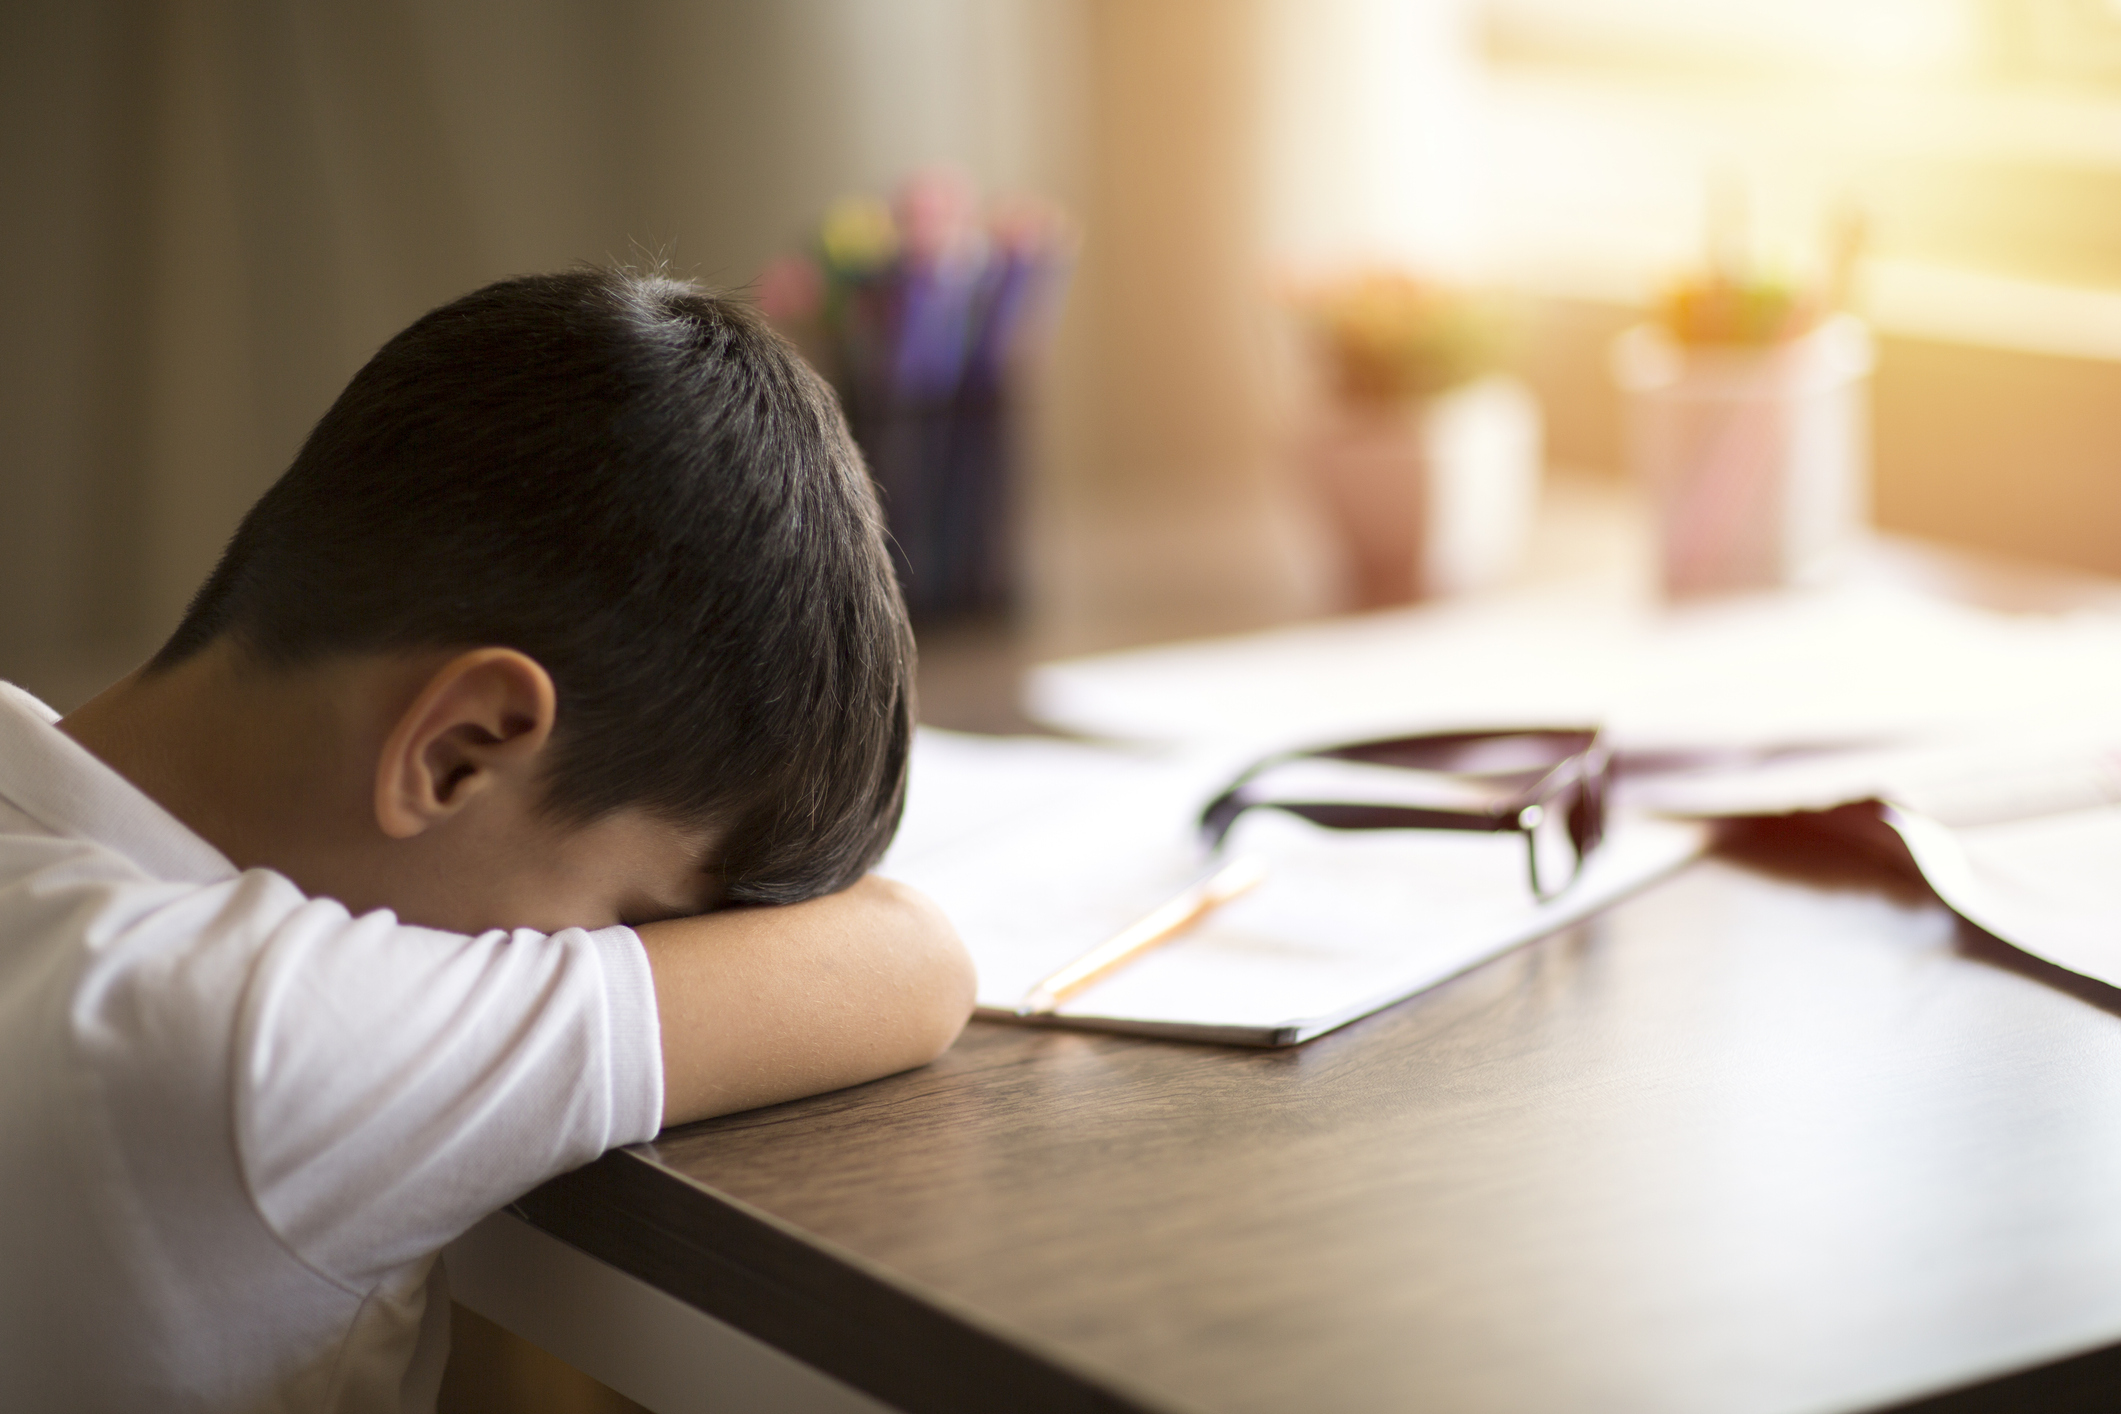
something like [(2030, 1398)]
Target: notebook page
[(1824, 667), (1344, 922), (2047, 885)]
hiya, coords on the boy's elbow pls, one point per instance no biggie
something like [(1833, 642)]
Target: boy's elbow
[(956, 991), (944, 983)]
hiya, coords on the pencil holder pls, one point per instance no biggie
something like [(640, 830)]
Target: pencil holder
[(1427, 496), (945, 473), (1755, 456), (924, 314)]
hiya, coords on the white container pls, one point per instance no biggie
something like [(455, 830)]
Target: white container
[(1432, 497), (1757, 458)]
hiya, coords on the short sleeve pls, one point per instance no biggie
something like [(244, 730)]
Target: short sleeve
[(394, 1084)]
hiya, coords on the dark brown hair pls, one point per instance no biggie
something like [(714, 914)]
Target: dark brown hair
[(641, 486)]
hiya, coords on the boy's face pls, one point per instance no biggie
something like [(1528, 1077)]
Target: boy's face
[(445, 757), (628, 867), (450, 750), (412, 782)]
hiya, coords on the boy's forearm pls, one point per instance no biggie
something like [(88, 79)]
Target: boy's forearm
[(766, 1004)]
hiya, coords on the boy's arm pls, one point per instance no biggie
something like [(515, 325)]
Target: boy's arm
[(765, 1004)]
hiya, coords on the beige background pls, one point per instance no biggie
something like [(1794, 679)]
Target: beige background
[(216, 210)]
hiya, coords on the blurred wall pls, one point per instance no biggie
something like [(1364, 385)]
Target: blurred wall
[(1160, 375), (216, 211), (76, 161)]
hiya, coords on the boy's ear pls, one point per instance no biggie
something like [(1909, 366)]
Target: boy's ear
[(482, 718)]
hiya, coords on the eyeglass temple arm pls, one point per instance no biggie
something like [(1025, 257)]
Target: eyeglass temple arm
[(1222, 813)]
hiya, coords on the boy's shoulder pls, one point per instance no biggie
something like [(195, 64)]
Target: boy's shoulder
[(58, 800), (239, 1108)]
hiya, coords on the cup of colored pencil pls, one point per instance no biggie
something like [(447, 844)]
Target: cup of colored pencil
[(924, 310)]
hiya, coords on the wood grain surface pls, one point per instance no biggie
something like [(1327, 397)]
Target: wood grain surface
[(1778, 1135)]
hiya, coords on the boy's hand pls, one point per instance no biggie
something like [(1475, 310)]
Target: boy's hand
[(760, 1005)]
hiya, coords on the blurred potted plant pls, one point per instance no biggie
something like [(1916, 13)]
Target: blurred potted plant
[(920, 311), (1746, 421), (1424, 458)]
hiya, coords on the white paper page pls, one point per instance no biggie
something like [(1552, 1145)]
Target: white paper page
[(1072, 844), (1346, 922), (1539, 659), (2034, 769), (2048, 885), (1343, 923), (1856, 665), (962, 785)]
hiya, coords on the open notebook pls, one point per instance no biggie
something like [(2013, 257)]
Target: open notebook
[(1993, 736), (1040, 850)]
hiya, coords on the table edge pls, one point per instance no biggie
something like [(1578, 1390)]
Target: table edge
[(913, 1349)]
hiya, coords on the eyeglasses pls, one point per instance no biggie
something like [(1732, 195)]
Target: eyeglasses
[(1547, 785)]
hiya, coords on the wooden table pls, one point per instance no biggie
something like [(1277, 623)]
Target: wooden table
[(1780, 1134)]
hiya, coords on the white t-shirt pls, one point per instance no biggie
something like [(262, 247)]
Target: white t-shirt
[(236, 1123)]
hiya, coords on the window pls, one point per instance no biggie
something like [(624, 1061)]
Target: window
[(1981, 138)]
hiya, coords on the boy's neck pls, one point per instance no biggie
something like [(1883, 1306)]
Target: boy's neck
[(294, 770), (263, 765)]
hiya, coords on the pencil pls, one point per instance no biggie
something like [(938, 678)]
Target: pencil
[(1157, 928)]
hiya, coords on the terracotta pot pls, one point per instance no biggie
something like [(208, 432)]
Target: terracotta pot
[(1429, 497), (1369, 468)]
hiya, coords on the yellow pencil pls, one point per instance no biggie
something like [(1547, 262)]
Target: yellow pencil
[(1154, 930)]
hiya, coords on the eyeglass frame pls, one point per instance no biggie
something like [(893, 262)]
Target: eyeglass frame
[(1587, 764)]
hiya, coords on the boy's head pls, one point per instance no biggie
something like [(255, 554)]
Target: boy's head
[(639, 489)]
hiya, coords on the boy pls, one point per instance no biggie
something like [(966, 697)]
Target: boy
[(422, 863)]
